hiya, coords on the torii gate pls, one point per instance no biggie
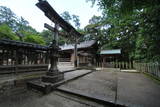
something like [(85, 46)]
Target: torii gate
[(57, 19), (53, 75)]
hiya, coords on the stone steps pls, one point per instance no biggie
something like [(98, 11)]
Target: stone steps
[(47, 83), (42, 86)]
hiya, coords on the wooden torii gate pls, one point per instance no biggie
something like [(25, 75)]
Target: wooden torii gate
[(53, 76), (57, 19)]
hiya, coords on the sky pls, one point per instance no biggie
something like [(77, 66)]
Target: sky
[(36, 18)]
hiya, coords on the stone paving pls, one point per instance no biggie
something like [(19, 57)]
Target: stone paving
[(129, 89), (137, 90), (26, 98), (76, 73), (54, 99), (100, 85)]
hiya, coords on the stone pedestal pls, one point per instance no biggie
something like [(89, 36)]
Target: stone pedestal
[(53, 79)]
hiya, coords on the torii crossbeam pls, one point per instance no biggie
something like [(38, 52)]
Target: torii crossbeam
[(56, 18)]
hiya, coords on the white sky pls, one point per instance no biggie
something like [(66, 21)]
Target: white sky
[(36, 18)]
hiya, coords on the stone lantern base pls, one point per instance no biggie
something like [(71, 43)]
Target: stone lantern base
[(53, 77)]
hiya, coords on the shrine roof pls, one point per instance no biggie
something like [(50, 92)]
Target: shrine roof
[(111, 51), (85, 44)]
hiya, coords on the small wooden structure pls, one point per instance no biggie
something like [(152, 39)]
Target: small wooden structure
[(109, 56), (86, 54)]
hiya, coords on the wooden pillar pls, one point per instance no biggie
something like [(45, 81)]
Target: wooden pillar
[(12, 57), (75, 53), (56, 33), (103, 61), (2, 53), (27, 57), (16, 60), (2, 56)]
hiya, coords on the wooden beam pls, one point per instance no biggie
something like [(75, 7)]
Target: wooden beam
[(53, 29), (56, 18), (49, 27)]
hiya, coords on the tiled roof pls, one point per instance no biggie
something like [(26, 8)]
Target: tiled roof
[(84, 44)]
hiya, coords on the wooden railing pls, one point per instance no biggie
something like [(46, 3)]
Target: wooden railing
[(23, 68), (121, 65), (150, 68)]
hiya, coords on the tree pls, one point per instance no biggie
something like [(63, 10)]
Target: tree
[(126, 6), (34, 39), (71, 18), (7, 17), (66, 16), (76, 21), (22, 24), (6, 33), (47, 35), (95, 20), (136, 34), (97, 30)]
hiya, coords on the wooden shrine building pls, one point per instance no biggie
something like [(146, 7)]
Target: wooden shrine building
[(109, 56), (86, 54)]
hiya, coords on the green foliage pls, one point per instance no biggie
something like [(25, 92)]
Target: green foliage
[(137, 34), (66, 16), (96, 30), (62, 40), (34, 39), (6, 33), (71, 19), (126, 6), (76, 20), (7, 17), (47, 35), (12, 26)]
